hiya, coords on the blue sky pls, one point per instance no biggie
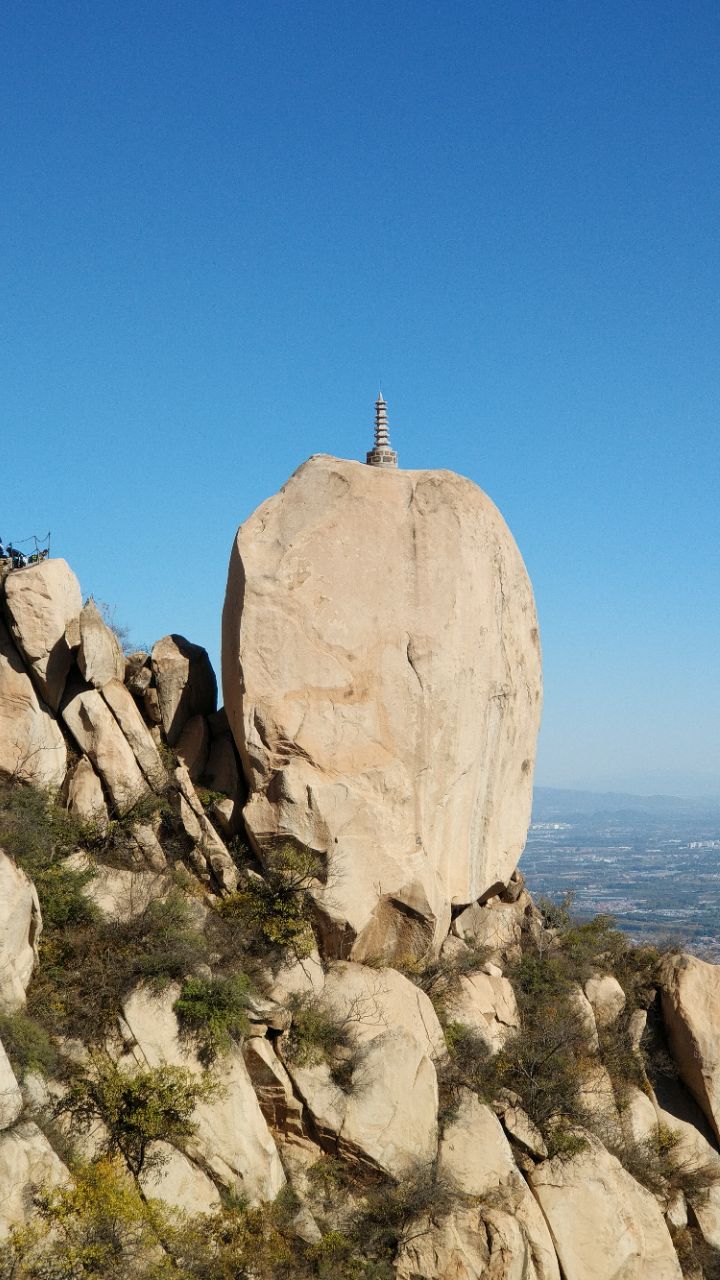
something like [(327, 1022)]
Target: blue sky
[(222, 224)]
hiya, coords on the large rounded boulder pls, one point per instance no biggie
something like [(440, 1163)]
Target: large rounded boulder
[(382, 678)]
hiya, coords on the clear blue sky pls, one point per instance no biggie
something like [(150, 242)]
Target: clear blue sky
[(222, 223)]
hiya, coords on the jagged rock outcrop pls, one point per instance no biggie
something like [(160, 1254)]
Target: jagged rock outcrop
[(42, 604), (98, 734), (185, 682), (232, 1141), (486, 1003), (386, 1117), (691, 1009), (607, 999), (125, 711), (381, 672), (603, 1223), (100, 657), (32, 747), (11, 1099), (476, 1160), (84, 794), (178, 1182), (27, 1163), (412, 1113), (20, 925)]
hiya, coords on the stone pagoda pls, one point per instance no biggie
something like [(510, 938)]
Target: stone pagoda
[(383, 455)]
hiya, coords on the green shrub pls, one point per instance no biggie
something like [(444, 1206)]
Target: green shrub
[(40, 834), (137, 1108), (163, 943), (470, 1064), (97, 1226), (543, 1062), (27, 1044), (318, 1034), (660, 1164), (392, 1209), (208, 797), (212, 1012), (623, 1063), (275, 909), (86, 971), (696, 1257), (440, 977)]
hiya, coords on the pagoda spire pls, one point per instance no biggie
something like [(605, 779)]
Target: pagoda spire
[(383, 455)]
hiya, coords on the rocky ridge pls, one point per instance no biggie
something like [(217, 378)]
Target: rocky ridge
[(523, 1098)]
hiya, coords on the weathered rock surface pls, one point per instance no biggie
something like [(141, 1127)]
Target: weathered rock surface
[(381, 672), (42, 603), (123, 707), (388, 1118), (178, 1182), (193, 746), (602, 1221), (273, 1086), (232, 1141), (11, 1099), (597, 1099), (304, 977), (100, 657), (486, 1003), (475, 1158), (607, 999), (696, 1156), (20, 925), (200, 831), (27, 1163), (85, 794), (120, 894), (221, 769), (138, 673), (691, 1011), (497, 925), (186, 683), (469, 1243), (98, 734), (32, 746)]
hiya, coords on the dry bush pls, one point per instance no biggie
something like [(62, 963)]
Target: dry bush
[(86, 971), (274, 910)]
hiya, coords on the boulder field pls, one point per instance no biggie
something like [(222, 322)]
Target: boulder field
[(307, 908)]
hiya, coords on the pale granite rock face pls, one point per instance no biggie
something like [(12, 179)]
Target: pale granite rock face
[(85, 794), (123, 706), (97, 733), (11, 1099), (468, 1243), (387, 1118), (476, 1160), (602, 1221), (100, 657), (607, 999), (486, 1003), (178, 1182), (186, 683), (691, 1011), (231, 1142), (20, 925), (381, 673), (43, 604), (27, 1162), (32, 746)]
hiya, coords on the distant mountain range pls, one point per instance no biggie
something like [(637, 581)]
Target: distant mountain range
[(556, 804)]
